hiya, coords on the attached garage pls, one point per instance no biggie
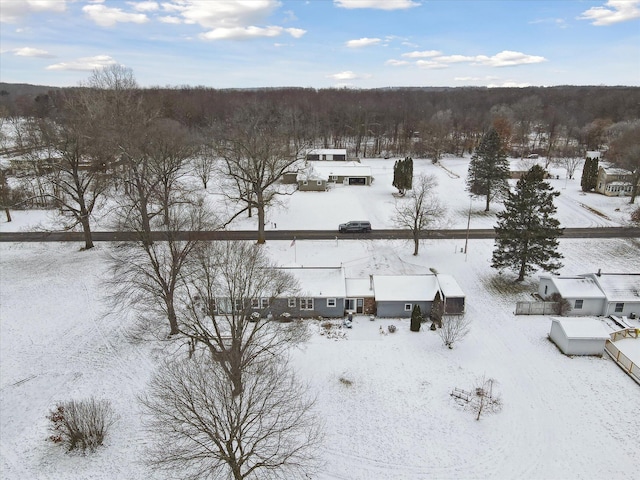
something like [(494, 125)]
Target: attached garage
[(579, 336)]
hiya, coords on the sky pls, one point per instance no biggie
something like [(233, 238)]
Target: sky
[(324, 43)]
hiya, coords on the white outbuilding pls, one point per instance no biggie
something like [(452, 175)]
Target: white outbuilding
[(579, 336)]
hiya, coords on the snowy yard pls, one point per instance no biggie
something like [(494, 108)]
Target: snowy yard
[(385, 399)]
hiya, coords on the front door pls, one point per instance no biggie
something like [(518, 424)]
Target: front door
[(354, 305)]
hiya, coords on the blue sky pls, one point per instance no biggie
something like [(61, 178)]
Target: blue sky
[(324, 43)]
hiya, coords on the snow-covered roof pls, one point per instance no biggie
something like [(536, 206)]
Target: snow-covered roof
[(619, 287), (359, 287), (327, 151), (342, 169), (593, 154), (449, 286), (398, 288), (311, 173), (582, 327), (577, 287), (320, 282), (615, 171)]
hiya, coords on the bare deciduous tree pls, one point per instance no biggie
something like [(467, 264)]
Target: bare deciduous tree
[(569, 164), (419, 209), (202, 429), (454, 328), (257, 151), (145, 275), (229, 283), (483, 398)]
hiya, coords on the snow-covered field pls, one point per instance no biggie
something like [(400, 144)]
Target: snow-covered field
[(562, 417)]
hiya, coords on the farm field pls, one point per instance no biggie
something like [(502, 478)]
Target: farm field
[(384, 399)]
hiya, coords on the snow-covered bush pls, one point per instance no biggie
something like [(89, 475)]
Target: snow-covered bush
[(391, 328), (81, 425)]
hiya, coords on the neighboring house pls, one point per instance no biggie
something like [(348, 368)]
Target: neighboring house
[(322, 293), (309, 180), (614, 182), (583, 294), (579, 336), (452, 295), (596, 293), (396, 295), (360, 296), (324, 154), (346, 173), (622, 293)]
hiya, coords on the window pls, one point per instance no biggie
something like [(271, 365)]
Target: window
[(619, 307), (408, 307), (292, 303), (578, 304), (304, 182), (213, 306), (319, 183), (255, 303), (264, 302), (331, 302), (237, 305), (306, 304)]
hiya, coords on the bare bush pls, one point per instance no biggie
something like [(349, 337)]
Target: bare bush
[(202, 428), (81, 425), (484, 399), (454, 328)]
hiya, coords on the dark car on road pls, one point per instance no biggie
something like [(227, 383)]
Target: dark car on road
[(355, 226)]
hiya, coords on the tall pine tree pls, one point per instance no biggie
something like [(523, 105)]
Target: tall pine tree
[(527, 233), (403, 175), (589, 177), (489, 169)]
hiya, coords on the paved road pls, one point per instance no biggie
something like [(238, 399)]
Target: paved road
[(601, 232)]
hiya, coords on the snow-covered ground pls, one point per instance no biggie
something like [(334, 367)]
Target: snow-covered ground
[(562, 417)]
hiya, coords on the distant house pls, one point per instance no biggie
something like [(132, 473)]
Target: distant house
[(596, 293), (310, 180), (344, 173), (614, 182), (326, 154), (396, 295), (579, 336)]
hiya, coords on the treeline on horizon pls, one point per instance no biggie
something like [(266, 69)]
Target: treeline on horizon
[(425, 121)]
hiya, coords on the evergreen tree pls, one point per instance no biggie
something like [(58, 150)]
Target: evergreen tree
[(527, 233), (416, 318), (589, 174), (403, 175), (489, 169), (437, 311)]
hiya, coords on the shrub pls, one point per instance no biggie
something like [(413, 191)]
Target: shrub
[(635, 215), (416, 318), (81, 425)]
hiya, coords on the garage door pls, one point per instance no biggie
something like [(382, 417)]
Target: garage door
[(357, 181)]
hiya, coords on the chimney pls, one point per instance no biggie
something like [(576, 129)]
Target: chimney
[(371, 282), (599, 272)]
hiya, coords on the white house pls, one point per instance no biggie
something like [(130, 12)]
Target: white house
[(621, 291), (324, 154), (583, 293), (614, 182), (578, 336)]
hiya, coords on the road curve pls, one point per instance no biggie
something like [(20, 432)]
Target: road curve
[(599, 232)]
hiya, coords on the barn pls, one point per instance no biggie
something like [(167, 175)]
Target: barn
[(578, 336)]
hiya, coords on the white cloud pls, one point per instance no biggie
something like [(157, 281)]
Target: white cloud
[(507, 58), (238, 33), (85, 63), (31, 52), (346, 75), (422, 54), (362, 42), (431, 64), (558, 22), (170, 19), (12, 11), (396, 63), (108, 17), (613, 11), (377, 4), (509, 84), (145, 6)]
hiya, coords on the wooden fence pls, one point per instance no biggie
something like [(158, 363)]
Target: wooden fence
[(536, 308), (620, 358)]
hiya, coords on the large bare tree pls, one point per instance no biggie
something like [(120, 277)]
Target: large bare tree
[(257, 150), (230, 296), (419, 209), (200, 428), (625, 152)]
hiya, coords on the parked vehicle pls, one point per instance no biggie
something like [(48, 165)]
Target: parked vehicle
[(355, 226)]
